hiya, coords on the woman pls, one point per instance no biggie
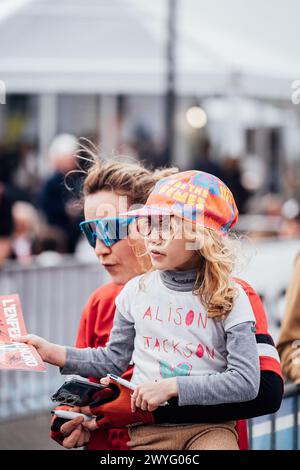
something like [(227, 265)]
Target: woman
[(109, 188)]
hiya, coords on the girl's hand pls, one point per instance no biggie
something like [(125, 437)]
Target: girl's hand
[(150, 395), (49, 352)]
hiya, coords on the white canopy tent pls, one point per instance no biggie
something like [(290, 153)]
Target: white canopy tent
[(118, 46)]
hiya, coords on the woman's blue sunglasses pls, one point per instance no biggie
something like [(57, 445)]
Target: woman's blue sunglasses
[(109, 230)]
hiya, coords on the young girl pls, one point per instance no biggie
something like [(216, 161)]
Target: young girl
[(189, 325)]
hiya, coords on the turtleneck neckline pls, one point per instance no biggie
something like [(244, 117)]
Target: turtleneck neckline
[(182, 281)]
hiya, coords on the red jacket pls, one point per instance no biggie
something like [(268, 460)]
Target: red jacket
[(94, 329)]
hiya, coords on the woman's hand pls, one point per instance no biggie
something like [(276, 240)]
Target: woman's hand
[(75, 435), (148, 396), (49, 352)]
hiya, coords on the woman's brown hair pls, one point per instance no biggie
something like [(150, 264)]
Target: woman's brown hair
[(127, 178)]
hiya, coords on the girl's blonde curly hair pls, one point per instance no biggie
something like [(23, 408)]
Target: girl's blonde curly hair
[(214, 283)]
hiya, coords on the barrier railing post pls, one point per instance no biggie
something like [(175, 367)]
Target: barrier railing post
[(250, 433), (273, 432), (295, 421)]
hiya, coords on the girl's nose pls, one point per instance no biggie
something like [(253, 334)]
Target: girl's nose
[(155, 235), (101, 249)]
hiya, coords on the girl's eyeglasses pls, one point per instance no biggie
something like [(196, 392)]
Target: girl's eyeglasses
[(162, 224), (109, 230)]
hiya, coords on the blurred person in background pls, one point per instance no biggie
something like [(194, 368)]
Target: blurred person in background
[(290, 226), (11, 164), (26, 224), (6, 223), (232, 177), (265, 217), (57, 199), (143, 144), (49, 245), (289, 339), (25, 176), (271, 205), (203, 160), (272, 217)]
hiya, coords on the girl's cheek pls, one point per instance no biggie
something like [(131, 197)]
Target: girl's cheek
[(146, 241)]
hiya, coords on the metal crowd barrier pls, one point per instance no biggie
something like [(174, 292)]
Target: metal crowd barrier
[(52, 300), (279, 431)]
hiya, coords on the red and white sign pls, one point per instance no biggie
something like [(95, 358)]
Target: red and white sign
[(13, 355)]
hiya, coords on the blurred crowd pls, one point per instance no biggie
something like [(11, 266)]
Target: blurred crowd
[(39, 216)]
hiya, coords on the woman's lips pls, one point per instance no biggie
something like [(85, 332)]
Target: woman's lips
[(109, 267)]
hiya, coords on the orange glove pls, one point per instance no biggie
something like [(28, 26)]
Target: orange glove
[(117, 413)]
